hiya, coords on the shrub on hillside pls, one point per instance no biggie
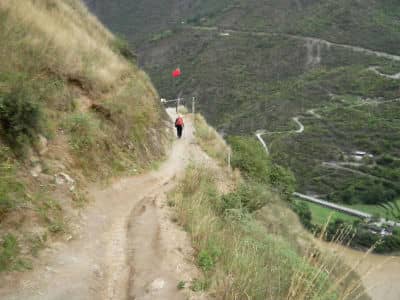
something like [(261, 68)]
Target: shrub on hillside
[(283, 179), (20, 116), (304, 213), (121, 46), (251, 159)]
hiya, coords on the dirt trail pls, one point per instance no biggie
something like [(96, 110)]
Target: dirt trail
[(376, 71), (125, 247)]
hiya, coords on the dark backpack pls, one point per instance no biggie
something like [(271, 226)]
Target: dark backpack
[(179, 122)]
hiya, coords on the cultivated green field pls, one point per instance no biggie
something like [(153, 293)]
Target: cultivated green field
[(321, 215)]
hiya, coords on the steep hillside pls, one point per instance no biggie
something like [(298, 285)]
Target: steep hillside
[(256, 65), (243, 229), (74, 108)]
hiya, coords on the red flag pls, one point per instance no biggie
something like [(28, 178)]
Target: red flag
[(176, 73)]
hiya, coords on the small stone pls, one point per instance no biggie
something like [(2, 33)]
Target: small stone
[(59, 180), (62, 178), (50, 269), (157, 285), (36, 171), (34, 159), (42, 145)]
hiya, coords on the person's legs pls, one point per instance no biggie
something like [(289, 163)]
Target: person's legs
[(179, 131)]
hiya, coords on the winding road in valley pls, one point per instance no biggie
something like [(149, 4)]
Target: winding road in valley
[(376, 71), (312, 40), (260, 133)]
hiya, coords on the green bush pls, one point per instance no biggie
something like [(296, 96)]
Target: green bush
[(205, 260), (249, 156), (304, 213), (389, 244), (283, 179), (20, 116), (121, 46)]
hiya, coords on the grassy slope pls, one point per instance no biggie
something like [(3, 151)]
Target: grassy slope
[(264, 253), (210, 141), (72, 100)]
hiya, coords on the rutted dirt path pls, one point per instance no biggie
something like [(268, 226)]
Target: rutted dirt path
[(126, 247)]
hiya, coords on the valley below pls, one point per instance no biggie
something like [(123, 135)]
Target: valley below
[(379, 273)]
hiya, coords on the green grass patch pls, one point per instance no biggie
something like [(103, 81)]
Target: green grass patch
[(10, 255), (375, 210), (321, 215), (12, 190), (210, 141)]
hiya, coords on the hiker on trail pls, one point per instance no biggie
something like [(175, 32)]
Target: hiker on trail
[(179, 126)]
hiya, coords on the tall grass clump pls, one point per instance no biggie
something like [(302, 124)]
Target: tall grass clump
[(12, 191), (210, 141), (84, 132), (239, 258), (66, 39)]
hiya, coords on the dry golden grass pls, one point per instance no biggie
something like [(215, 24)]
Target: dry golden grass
[(210, 141), (68, 40), (60, 44)]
